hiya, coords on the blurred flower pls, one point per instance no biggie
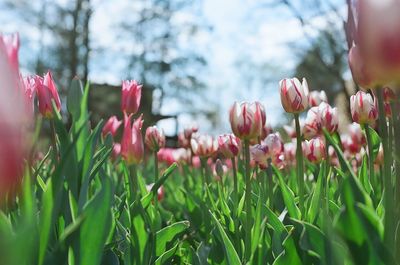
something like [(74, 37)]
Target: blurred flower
[(9, 45), (357, 134), (263, 114), (289, 150), (388, 95), (388, 110), (47, 93), (246, 120), (274, 144), (349, 145), (374, 27), (183, 141), (363, 108), (317, 97), (270, 148), (228, 145), (160, 191), (131, 95), (219, 169), (361, 72), (154, 138), (203, 145), (111, 126), (294, 95), (379, 157), (314, 150), (132, 143), (329, 117), (14, 118), (290, 129), (260, 154), (188, 131), (265, 131)]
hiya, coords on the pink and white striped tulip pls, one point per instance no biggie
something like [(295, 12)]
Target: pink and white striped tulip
[(314, 150), (132, 148), (203, 145), (246, 120), (131, 95), (294, 95), (111, 126), (329, 117), (154, 138), (313, 124), (317, 97), (228, 145), (363, 108)]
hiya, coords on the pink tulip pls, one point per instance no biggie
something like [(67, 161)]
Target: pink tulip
[(362, 74), (315, 150), (294, 95), (154, 138), (388, 95), (116, 151), (349, 145), (203, 145), (111, 126), (9, 45), (317, 97), (356, 134), (274, 144), (271, 148), (246, 120), (228, 145), (47, 93), (363, 108), (132, 148), (188, 131), (131, 95), (313, 124), (260, 154), (14, 118), (289, 150)]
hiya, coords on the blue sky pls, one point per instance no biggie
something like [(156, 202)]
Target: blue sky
[(242, 30)]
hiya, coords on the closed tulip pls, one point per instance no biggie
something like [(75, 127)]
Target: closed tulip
[(203, 145), (154, 138), (9, 44), (315, 150), (363, 108), (294, 95), (228, 145), (132, 148), (329, 117), (111, 126), (131, 95), (313, 124), (47, 93), (317, 97), (246, 120)]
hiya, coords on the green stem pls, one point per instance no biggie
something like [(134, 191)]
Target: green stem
[(370, 153), (396, 127), (235, 183), (155, 177), (387, 177), (299, 164), (54, 139), (247, 201), (270, 185), (325, 181)]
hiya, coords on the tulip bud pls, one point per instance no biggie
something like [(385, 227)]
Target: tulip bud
[(203, 145), (363, 108), (329, 117), (313, 124), (47, 93), (154, 138), (111, 126), (228, 145), (356, 134), (188, 131), (9, 44), (294, 96), (246, 120), (131, 95), (317, 97), (30, 84), (315, 150), (263, 115), (132, 143)]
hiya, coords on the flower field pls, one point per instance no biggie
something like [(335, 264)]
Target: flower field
[(113, 193)]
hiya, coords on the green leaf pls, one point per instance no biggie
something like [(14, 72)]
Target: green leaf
[(288, 196), (315, 204), (363, 176), (167, 255), (167, 234), (46, 217), (230, 252)]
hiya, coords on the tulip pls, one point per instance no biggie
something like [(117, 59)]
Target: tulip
[(289, 151), (315, 150), (274, 144), (388, 95), (219, 169), (317, 97), (363, 108), (356, 134), (246, 120), (188, 131), (294, 96), (111, 126), (349, 145), (329, 117), (260, 154), (132, 143), (183, 141), (116, 151), (361, 72), (9, 46), (263, 114), (47, 93), (228, 145), (203, 145), (131, 95), (154, 138), (313, 124)]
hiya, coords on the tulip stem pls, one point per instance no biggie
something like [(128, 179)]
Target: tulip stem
[(235, 184), (387, 177), (396, 127), (299, 164), (54, 139), (247, 201), (155, 177), (370, 153), (270, 184)]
